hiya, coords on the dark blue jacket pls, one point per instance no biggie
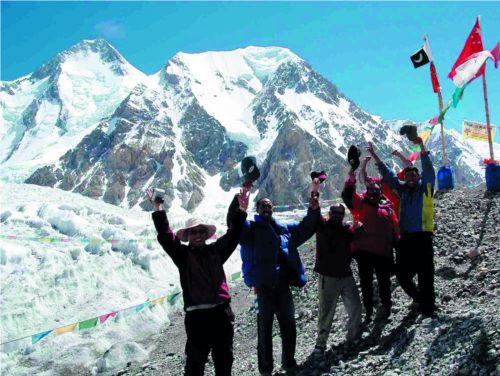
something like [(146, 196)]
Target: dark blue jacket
[(267, 246)]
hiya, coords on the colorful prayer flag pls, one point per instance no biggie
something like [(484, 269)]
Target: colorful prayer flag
[(495, 52), (65, 329), (37, 337), (141, 306), (103, 318), (88, 324), (434, 78)]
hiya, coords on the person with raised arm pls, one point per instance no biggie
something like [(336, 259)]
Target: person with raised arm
[(335, 279), (209, 318), (415, 253), (271, 264), (373, 248)]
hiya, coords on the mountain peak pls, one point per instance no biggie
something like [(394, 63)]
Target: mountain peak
[(261, 61), (106, 52)]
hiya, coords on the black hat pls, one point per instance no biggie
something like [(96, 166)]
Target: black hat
[(410, 131), (249, 169), (353, 157), (320, 175)]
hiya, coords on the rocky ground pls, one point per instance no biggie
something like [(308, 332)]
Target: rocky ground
[(464, 338)]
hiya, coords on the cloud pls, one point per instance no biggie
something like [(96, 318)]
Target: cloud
[(110, 29)]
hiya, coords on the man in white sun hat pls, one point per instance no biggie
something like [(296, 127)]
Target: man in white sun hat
[(209, 319)]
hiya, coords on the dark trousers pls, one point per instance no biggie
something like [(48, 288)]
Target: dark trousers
[(279, 301), (209, 330), (415, 256), (367, 264)]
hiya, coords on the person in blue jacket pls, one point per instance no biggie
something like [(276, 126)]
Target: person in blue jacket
[(271, 264), (415, 253)]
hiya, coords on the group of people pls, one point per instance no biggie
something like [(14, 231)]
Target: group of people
[(390, 214)]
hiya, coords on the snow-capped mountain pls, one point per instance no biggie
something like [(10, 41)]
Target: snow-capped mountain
[(186, 128), (48, 112)]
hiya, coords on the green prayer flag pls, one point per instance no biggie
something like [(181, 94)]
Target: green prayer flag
[(88, 324), (457, 95)]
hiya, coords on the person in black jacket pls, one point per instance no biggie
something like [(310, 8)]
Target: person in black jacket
[(209, 319)]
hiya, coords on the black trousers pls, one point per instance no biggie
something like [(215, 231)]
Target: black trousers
[(368, 263), (415, 256), (209, 330), (277, 300)]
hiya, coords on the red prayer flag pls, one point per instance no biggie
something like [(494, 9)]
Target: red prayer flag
[(473, 44), (434, 78), (496, 54)]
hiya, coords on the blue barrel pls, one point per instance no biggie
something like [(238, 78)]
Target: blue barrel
[(445, 177), (493, 177)]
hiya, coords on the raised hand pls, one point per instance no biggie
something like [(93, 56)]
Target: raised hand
[(243, 198), (315, 185), (313, 201), (371, 150), (149, 194), (352, 176)]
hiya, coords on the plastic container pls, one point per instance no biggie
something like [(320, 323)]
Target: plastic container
[(493, 177), (445, 177)]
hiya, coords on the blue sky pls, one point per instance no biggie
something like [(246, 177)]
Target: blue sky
[(362, 47)]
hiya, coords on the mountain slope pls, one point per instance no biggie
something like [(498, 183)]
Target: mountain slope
[(49, 111)]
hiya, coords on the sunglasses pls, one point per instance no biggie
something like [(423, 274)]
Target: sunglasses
[(200, 231)]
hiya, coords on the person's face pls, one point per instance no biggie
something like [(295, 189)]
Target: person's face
[(373, 193), (336, 214), (197, 236), (265, 208), (412, 178)]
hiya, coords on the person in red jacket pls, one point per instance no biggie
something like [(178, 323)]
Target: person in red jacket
[(209, 319), (333, 265), (387, 191), (372, 249)]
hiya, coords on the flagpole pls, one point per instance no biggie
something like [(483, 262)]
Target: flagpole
[(440, 99), (488, 127)]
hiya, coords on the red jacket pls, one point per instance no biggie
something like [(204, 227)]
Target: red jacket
[(380, 230)]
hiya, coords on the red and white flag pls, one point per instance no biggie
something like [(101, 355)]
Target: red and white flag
[(473, 45), (471, 68)]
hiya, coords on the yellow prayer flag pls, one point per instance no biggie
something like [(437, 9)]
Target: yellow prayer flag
[(158, 300), (65, 329)]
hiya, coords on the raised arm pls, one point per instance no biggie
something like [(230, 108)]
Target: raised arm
[(388, 175), (227, 243), (166, 236), (428, 172), (307, 227), (351, 198)]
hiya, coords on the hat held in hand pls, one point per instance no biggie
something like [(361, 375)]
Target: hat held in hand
[(320, 175), (249, 169), (410, 131), (353, 155)]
